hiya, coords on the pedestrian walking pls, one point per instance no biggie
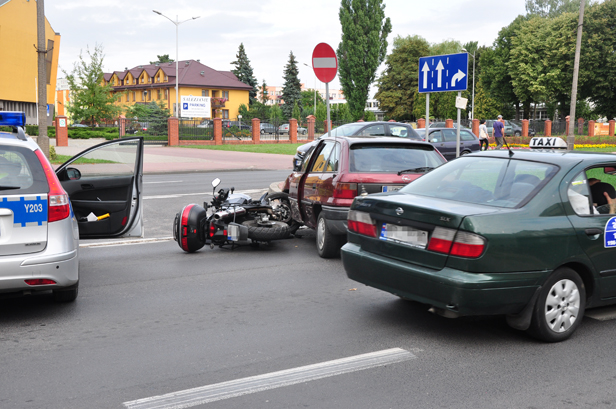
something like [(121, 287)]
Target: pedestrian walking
[(483, 136), (498, 131)]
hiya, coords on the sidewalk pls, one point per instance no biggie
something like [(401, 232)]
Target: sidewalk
[(163, 159)]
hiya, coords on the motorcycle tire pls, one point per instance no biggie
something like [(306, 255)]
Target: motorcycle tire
[(187, 226), (285, 204), (274, 230)]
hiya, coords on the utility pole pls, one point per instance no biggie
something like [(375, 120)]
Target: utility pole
[(576, 69), (43, 139)]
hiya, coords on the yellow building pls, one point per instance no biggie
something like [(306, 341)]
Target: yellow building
[(156, 82), (19, 59)]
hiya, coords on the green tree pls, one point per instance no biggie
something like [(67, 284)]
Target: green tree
[(264, 97), (485, 107), (276, 114), (397, 84), (154, 113), (161, 59), (321, 112), (297, 112), (308, 99), (362, 49), (292, 88), (91, 100), (243, 72), (551, 8)]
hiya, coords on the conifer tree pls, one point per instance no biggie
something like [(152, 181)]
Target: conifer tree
[(292, 89), (243, 72)]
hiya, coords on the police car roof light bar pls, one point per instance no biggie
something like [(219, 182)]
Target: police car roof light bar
[(12, 118)]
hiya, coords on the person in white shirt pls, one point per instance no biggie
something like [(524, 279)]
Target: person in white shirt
[(483, 136)]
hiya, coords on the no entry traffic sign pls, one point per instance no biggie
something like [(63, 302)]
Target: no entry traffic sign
[(324, 62)]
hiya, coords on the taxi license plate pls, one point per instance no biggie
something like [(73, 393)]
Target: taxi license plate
[(404, 235), (391, 188)]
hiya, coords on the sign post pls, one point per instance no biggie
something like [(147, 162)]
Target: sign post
[(443, 73), (325, 66)]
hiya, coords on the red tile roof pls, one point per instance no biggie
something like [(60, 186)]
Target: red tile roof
[(191, 73)]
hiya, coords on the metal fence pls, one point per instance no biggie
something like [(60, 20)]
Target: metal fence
[(154, 131), (195, 130)]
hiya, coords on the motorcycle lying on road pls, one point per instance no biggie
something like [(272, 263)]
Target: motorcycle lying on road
[(233, 219)]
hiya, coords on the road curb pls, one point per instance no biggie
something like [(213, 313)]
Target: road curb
[(275, 187)]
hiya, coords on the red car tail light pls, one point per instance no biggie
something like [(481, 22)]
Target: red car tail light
[(58, 207), (345, 191), (456, 243), (361, 223)]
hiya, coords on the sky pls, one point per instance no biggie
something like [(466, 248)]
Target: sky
[(131, 34)]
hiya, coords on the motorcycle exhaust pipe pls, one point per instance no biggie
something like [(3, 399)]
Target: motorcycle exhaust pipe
[(229, 213)]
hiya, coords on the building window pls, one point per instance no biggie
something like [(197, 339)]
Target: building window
[(205, 92), (225, 94), (134, 96), (225, 114), (127, 97), (158, 96), (166, 93)]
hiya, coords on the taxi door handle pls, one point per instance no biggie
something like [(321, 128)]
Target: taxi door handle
[(593, 232), (87, 186)]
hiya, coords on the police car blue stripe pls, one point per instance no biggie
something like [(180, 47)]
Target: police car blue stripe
[(26, 210)]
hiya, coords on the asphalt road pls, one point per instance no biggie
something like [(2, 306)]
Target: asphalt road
[(151, 320)]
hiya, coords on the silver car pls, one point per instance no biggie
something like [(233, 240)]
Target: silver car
[(44, 213)]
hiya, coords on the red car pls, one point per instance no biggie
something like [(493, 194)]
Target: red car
[(336, 170)]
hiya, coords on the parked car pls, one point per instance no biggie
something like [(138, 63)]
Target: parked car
[(361, 129), (445, 140), (335, 170), (511, 128), (510, 233), (44, 213), (79, 126), (244, 126), (208, 123), (268, 128), (444, 125), (516, 129), (284, 128)]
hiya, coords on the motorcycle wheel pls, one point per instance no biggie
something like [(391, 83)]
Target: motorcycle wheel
[(273, 230), (282, 205)]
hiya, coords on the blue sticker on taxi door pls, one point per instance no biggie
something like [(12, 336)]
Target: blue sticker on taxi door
[(610, 233)]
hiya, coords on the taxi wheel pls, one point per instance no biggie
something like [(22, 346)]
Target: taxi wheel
[(328, 244), (560, 306), (66, 295)]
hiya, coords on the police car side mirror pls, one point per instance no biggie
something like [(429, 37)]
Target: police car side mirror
[(73, 174)]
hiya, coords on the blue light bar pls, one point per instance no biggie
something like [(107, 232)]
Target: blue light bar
[(12, 118)]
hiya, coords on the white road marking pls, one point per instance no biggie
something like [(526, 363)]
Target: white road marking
[(126, 242), (247, 192), (166, 181), (225, 390)]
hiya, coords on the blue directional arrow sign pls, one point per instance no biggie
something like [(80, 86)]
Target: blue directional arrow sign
[(441, 73)]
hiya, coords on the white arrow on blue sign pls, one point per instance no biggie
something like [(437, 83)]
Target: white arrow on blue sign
[(441, 73)]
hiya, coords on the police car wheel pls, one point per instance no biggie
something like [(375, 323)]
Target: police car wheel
[(66, 294), (560, 306)]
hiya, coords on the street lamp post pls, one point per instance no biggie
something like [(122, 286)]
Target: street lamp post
[(315, 92), (473, 100), (177, 24)]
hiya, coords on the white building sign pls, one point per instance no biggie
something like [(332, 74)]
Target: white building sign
[(196, 107)]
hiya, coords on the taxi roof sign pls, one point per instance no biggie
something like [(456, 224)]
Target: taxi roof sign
[(547, 142), (12, 118)]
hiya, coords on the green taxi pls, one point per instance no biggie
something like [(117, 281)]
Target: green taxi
[(526, 234)]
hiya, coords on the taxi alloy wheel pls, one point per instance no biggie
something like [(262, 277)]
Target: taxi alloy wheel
[(560, 306)]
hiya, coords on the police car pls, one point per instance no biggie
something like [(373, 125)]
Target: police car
[(43, 213)]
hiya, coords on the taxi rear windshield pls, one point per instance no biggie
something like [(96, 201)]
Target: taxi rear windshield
[(392, 158), (494, 182), (20, 172)]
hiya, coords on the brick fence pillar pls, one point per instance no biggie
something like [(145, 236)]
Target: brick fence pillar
[(580, 126), (293, 130), (325, 127), (256, 131), (591, 128), (524, 127), (217, 131), (567, 125), (421, 123), (612, 130), (122, 125), (311, 122), (548, 127), (173, 135), (61, 131), (448, 123), (475, 127)]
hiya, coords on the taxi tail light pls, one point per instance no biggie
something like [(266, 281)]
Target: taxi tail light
[(456, 243), (345, 191), (39, 281), (361, 223), (58, 207)]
